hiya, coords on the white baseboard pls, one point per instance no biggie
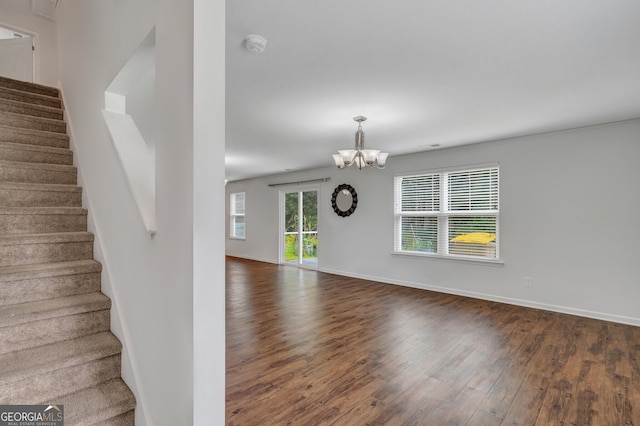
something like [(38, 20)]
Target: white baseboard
[(518, 302)]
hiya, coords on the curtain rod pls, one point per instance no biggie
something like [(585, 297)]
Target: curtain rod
[(301, 181)]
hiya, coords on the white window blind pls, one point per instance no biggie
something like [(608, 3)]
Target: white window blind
[(450, 213), (473, 190), (420, 193), (417, 213), (236, 213)]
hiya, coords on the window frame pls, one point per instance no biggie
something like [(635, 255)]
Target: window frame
[(233, 215), (443, 214)]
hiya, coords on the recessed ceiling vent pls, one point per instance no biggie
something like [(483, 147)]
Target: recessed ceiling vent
[(254, 43)]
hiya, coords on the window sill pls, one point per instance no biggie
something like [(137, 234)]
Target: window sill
[(450, 257), (237, 238)]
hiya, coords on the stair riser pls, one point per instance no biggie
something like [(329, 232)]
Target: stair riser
[(30, 254), (33, 123), (30, 98), (46, 388), (42, 223), (16, 173), (10, 153), (30, 198), (31, 290), (31, 110), (27, 137), (126, 419), (44, 332)]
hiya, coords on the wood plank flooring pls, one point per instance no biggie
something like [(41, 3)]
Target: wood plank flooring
[(308, 348)]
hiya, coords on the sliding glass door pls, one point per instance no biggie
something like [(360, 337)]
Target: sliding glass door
[(300, 228)]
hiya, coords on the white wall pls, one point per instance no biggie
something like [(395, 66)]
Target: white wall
[(208, 213), (16, 14), (141, 101), (570, 219), (151, 282)]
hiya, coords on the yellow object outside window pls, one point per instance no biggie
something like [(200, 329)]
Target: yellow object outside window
[(475, 237)]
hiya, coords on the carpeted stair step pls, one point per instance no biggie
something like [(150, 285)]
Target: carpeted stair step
[(35, 154), (16, 194), (30, 283), (30, 98), (126, 419), (33, 220), (26, 86), (32, 110), (33, 324), (33, 123), (55, 346), (33, 137), (17, 171), (102, 405), (47, 372), (33, 249)]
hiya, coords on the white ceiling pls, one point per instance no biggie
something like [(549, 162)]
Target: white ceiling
[(423, 71)]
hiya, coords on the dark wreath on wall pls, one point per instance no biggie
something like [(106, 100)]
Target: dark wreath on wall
[(344, 200)]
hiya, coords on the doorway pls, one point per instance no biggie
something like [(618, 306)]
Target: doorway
[(16, 55), (300, 228)]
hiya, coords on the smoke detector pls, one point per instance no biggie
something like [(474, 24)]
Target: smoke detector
[(254, 43)]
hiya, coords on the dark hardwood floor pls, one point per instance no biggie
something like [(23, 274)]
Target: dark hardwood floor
[(308, 348)]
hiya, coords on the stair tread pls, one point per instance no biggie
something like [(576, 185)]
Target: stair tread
[(27, 172), (24, 186), (34, 132), (34, 98), (11, 105), (33, 118), (92, 405), (72, 267), (17, 120), (125, 419), (43, 210), (42, 359), (29, 87), (38, 148), (39, 166), (51, 237), (29, 104), (11, 315)]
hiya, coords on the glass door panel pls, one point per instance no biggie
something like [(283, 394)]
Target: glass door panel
[(291, 226), (300, 239), (309, 255)]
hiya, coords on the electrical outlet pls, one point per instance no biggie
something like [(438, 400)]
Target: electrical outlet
[(528, 282)]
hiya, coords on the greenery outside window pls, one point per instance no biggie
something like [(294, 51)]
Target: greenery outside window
[(236, 213), (449, 213)]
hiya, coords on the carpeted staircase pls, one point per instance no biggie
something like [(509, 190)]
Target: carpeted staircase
[(55, 343)]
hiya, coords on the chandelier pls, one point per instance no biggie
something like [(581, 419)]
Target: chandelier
[(359, 156)]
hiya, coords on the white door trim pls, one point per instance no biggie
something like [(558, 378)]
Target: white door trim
[(35, 37)]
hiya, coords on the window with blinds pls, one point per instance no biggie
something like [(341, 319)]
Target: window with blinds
[(236, 214), (450, 213)]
